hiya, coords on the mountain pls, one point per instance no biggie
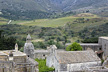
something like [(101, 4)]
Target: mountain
[(51, 5), (32, 8)]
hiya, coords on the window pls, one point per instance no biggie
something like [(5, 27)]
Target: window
[(100, 48), (44, 55)]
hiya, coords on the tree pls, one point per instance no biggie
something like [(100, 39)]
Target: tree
[(1, 33), (90, 40), (6, 43), (74, 47)]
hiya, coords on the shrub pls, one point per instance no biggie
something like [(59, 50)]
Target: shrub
[(74, 47), (91, 40), (42, 66)]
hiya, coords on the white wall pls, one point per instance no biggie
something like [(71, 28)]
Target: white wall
[(51, 61), (104, 43), (82, 66)]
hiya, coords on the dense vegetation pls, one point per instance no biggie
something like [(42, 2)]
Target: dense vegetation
[(42, 66), (32, 15), (45, 36), (90, 40), (24, 15), (83, 27), (6, 43), (74, 47), (94, 31)]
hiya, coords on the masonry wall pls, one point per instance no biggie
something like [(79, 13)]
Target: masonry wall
[(82, 66), (3, 58), (41, 55), (94, 48), (51, 61), (20, 59), (104, 43)]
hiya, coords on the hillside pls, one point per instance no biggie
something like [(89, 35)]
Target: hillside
[(50, 5), (77, 22), (37, 9), (56, 31), (44, 36), (3, 21)]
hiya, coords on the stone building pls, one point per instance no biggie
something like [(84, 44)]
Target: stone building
[(100, 48), (32, 53), (41, 54), (16, 61), (70, 61), (103, 41), (85, 46), (29, 47)]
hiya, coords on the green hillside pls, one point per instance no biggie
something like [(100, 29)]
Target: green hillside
[(58, 31), (77, 22), (53, 22), (3, 21)]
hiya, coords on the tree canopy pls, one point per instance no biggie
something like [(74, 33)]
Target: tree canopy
[(74, 47), (6, 43)]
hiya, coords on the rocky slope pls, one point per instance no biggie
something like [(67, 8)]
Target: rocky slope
[(51, 5)]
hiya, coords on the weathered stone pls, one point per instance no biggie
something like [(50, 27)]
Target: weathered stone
[(70, 61), (29, 47)]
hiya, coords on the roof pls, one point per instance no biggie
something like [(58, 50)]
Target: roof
[(18, 53), (28, 36), (99, 52), (104, 37), (29, 45), (69, 57), (45, 51), (89, 44), (2, 53), (32, 61), (41, 51), (85, 44)]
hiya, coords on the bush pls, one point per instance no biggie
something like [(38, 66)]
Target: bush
[(7, 43), (42, 66), (74, 47), (91, 40)]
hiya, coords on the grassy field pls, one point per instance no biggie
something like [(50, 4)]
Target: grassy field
[(94, 20), (55, 22), (68, 25), (46, 22), (3, 21)]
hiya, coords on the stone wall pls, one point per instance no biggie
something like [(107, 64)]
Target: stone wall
[(51, 61), (41, 55), (6, 66), (20, 59), (93, 47), (82, 66), (104, 42), (85, 46), (3, 58)]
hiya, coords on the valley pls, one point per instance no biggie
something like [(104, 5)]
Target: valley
[(53, 35), (57, 31)]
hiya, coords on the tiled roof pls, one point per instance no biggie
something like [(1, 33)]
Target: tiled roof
[(69, 57)]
